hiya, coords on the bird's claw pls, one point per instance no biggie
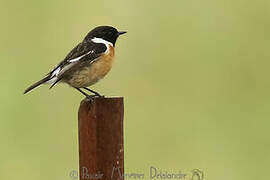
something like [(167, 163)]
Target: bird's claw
[(91, 97)]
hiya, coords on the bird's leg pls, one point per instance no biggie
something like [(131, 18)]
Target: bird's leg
[(87, 95), (96, 93)]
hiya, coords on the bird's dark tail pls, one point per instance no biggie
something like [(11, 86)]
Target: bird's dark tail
[(47, 78)]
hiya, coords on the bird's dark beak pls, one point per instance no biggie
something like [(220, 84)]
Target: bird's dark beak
[(122, 32)]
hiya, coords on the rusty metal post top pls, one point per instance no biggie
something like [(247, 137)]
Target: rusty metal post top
[(101, 99)]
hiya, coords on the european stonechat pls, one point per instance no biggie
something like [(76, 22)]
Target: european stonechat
[(87, 63)]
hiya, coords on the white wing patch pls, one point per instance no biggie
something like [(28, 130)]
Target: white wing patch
[(78, 58)]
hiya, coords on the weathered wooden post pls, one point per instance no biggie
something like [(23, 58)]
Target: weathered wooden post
[(101, 151)]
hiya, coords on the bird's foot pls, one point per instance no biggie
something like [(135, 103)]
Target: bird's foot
[(100, 96), (92, 97)]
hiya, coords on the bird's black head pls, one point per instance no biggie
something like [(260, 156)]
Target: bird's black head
[(107, 33)]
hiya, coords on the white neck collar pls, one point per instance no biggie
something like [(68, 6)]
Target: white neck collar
[(100, 40)]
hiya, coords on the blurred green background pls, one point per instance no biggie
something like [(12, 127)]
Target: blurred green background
[(194, 74)]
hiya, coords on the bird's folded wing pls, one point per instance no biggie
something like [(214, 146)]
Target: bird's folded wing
[(83, 52)]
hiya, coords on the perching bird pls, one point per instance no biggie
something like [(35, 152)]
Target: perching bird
[(87, 63)]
